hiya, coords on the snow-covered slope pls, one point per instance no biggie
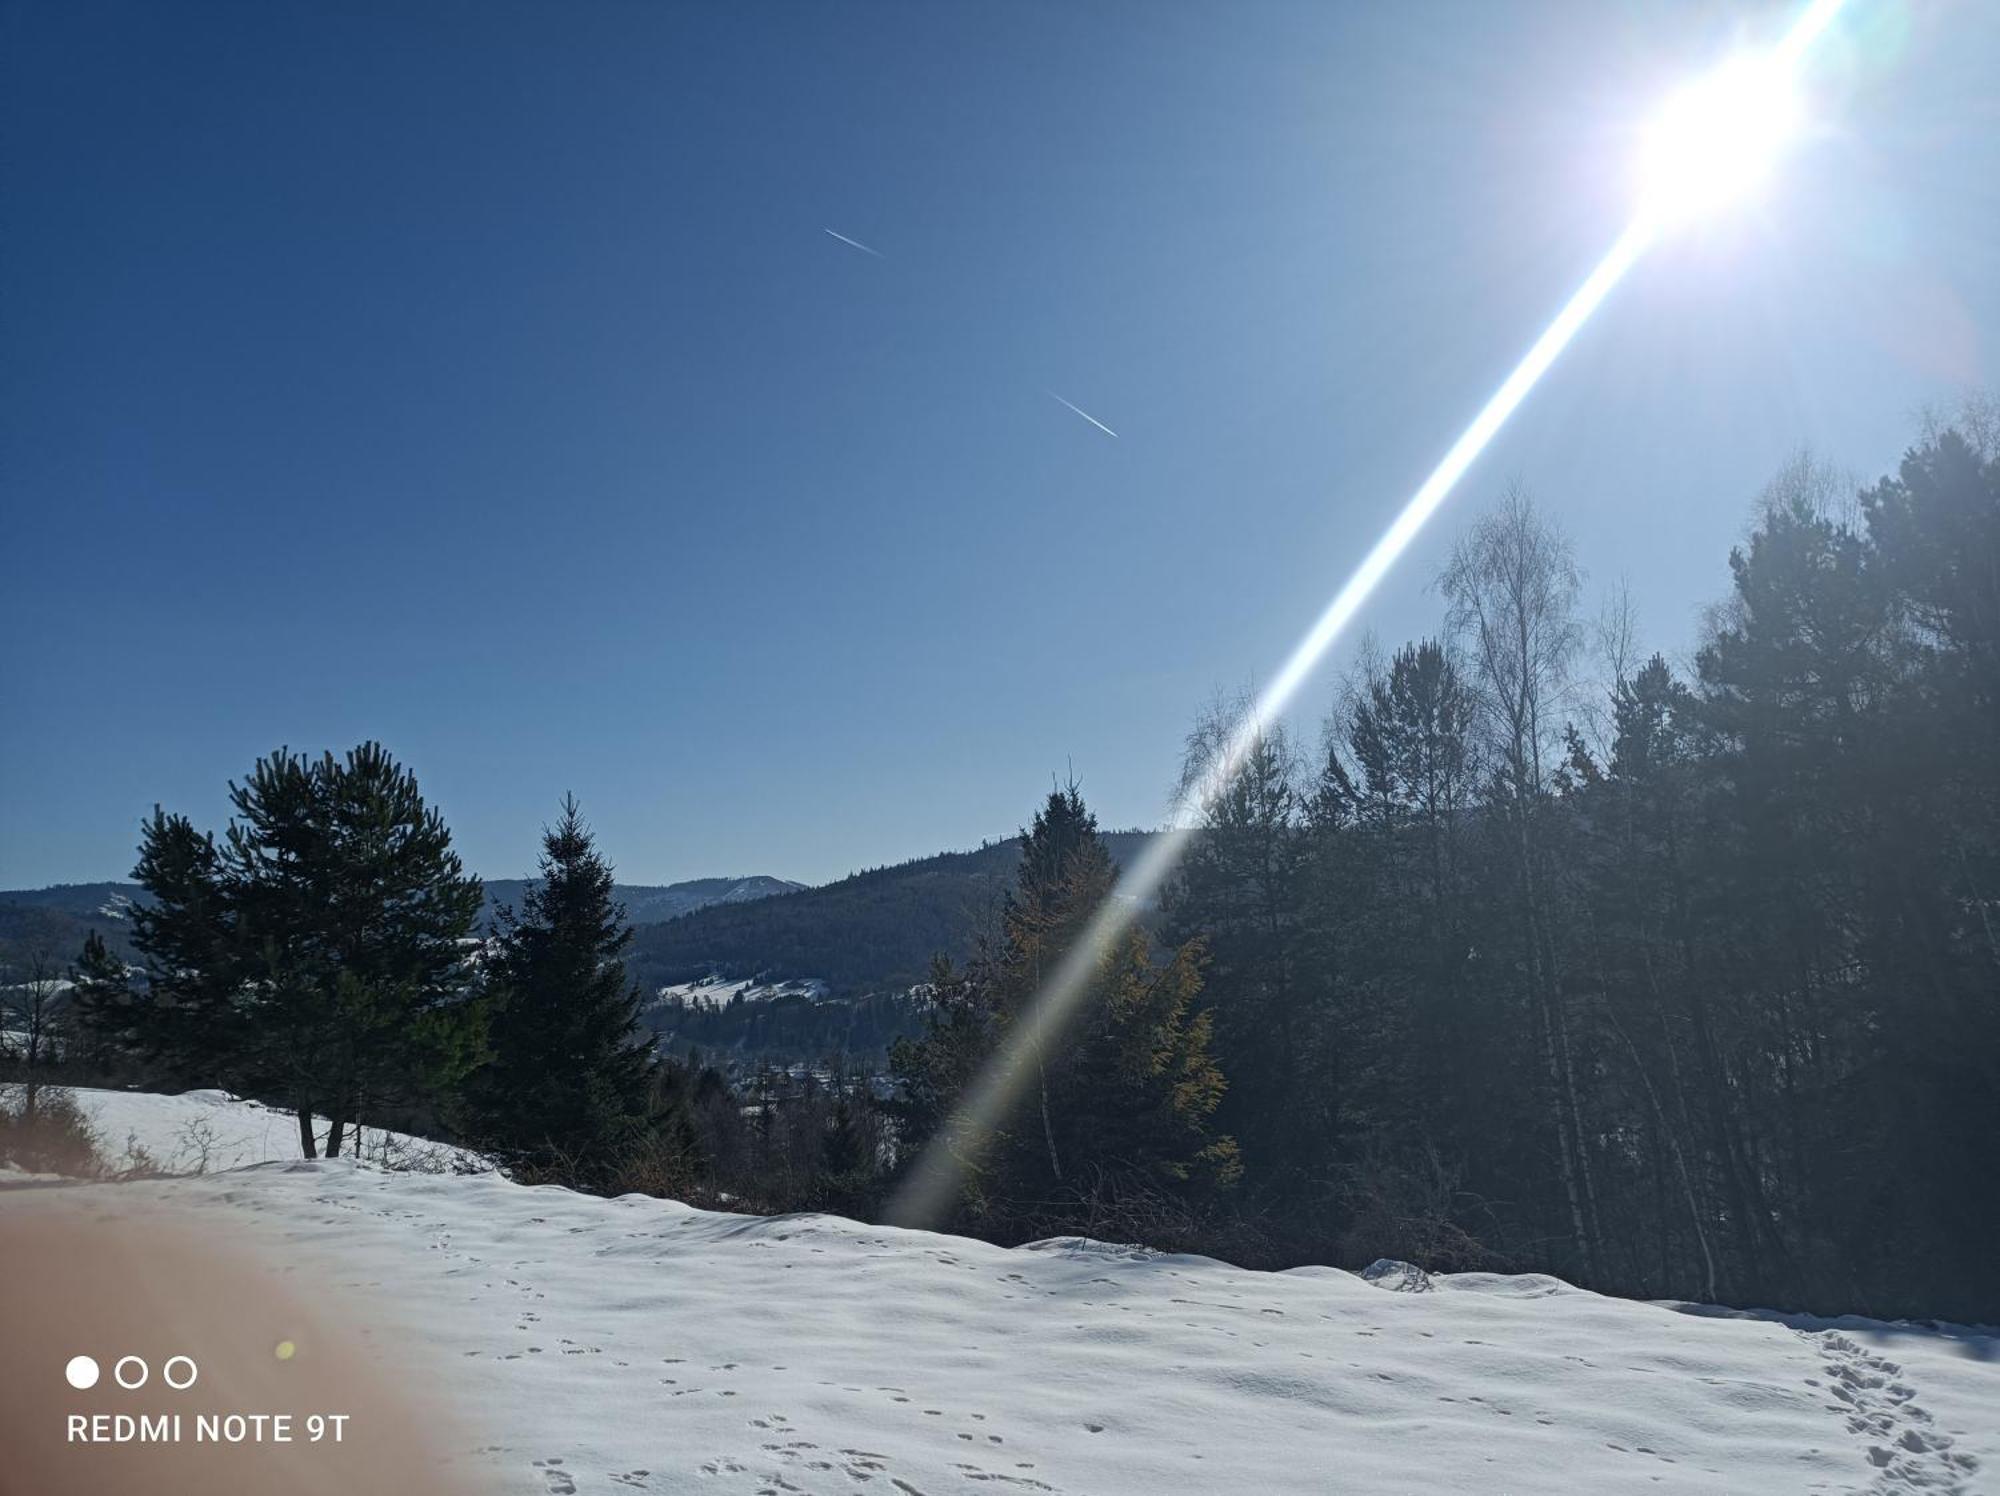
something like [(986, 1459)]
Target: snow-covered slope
[(205, 1131), (722, 991), (641, 1344)]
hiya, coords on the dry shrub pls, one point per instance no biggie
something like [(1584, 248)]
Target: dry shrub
[(1403, 1204), (44, 1131)]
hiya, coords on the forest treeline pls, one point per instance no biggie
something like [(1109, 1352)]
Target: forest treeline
[(784, 1026), (1546, 955), (1686, 986)]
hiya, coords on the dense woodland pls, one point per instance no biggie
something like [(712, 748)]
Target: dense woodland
[(1693, 991), (1549, 955)]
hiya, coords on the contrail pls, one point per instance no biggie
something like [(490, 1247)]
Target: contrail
[(858, 245), (1084, 413), (925, 1195)]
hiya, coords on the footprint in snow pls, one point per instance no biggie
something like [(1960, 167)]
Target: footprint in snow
[(559, 1481)]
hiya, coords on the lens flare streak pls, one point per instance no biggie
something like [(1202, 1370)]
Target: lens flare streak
[(927, 1191)]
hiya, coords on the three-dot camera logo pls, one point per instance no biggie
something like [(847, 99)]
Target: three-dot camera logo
[(131, 1372)]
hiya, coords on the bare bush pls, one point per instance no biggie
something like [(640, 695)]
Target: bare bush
[(1403, 1204), (1108, 1210), (44, 1131), (662, 1163), (197, 1143)]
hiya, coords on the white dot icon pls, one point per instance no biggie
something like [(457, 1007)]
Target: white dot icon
[(81, 1372)]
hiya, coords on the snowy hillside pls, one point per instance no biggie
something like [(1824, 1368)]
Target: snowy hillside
[(207, 1131), (639, 1344), (721, 991)]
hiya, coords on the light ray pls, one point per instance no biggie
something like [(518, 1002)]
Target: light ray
[(1806, 30), (926, 1193)]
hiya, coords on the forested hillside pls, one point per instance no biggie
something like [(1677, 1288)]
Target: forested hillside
[(873, 932), (44, 927), (651, 903)]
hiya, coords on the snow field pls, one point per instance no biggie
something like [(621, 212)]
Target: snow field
[(640, 1344), (199, 1132)]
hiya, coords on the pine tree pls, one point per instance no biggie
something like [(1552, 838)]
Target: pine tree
[(1640, 819), (102, 1015), (1415, 1045), (1241, 888), (847, 1167), (185, 1020), (931, 1070), (570, 1081), (395, 910), (317, 954)]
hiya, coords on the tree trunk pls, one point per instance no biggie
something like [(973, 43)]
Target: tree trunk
[(308, 1145), (1563, 1093), (1575, 1108), (1048, 1127), (1042, 1091), (1664, 1130)]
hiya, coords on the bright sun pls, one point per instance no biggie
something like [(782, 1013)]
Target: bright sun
[(1716, 140)]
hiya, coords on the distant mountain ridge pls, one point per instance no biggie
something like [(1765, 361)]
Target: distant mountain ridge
[(53, 921), (651, 903), (104, 900), (872, 932), (645, 903)]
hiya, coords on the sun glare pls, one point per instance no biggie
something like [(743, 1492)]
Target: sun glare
[(1717, 140)]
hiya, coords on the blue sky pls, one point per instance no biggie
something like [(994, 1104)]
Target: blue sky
[(480, 378)]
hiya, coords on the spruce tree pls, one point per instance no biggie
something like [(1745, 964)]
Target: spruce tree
[(1065, 873), (1115, 1107), (569, 1084), (1397, 879)]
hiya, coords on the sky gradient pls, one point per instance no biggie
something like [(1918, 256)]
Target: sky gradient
[(483, 378)]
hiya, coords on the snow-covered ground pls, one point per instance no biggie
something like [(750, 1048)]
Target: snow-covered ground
[(204, 1131), (641, 1344)]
